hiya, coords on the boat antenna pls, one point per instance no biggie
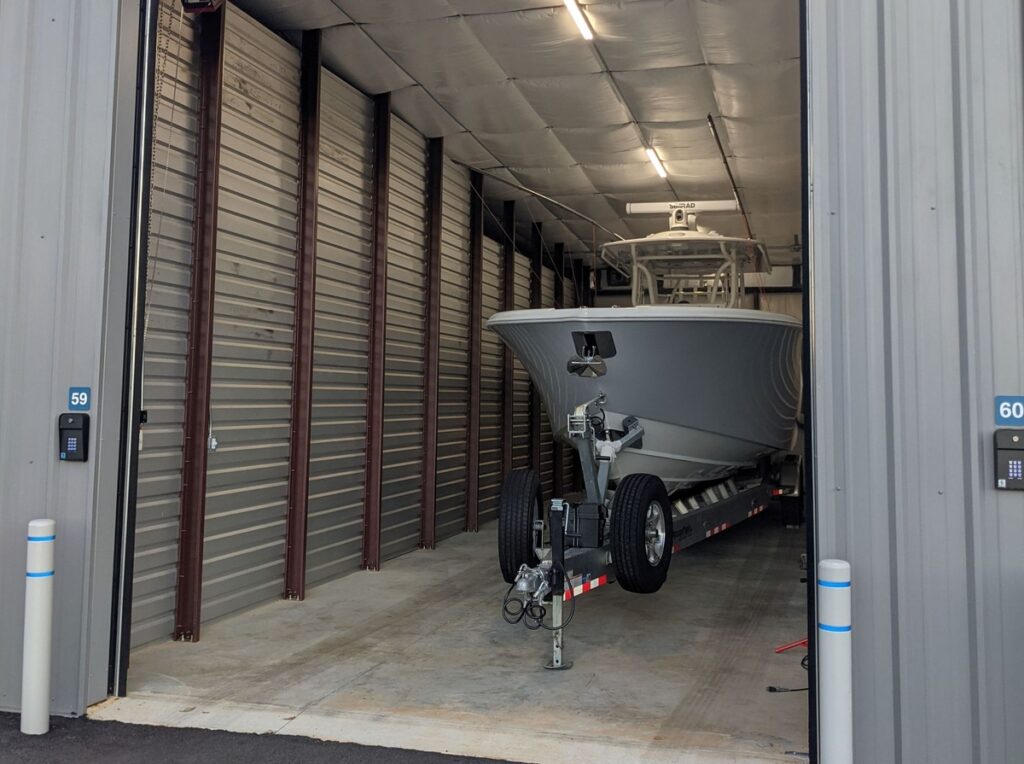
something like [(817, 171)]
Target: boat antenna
[(542, 197), (732, 180)]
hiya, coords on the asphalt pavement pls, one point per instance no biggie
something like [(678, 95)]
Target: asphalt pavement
[(84, 740)]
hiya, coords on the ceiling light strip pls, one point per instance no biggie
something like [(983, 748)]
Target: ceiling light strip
[(656, 161), (581, 21)]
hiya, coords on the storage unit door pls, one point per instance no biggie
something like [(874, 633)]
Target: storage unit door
[(490, 385), (569, 458), (172, 190), (453, 359), (247, 473), (520, 379), (547, 300), (341, 328), (405, 343)]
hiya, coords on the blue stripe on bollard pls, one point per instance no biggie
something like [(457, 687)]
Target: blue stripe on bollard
[(835, 584), (836, 629), (40, 538), (46, 574)]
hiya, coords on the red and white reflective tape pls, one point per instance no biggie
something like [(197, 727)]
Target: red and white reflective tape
[(756, 511), (585, 587), (716, 530)]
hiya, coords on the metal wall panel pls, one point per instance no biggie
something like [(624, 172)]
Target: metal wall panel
[(917, 227), (340, 338), (569, 458), (68, 125), (250, 410), (172, 191), (405, 343), (547, 300), (520, 379), (453, 363), (491, 370)]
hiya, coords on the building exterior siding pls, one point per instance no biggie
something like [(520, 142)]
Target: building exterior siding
[(916, 204), (68, 127)]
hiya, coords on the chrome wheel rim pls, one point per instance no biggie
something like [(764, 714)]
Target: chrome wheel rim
[(654, 533)]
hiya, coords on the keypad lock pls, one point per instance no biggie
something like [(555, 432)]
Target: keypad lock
[(1010, 460), (73, 437)]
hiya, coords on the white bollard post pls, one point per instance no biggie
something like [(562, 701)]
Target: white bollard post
[(35, 664), (835, 663)]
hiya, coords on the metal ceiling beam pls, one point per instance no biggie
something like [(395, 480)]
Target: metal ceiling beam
[(476, 281), (199, 361), (435, 205), (728, 171), (543, 198), (378, 320), (305, 295)]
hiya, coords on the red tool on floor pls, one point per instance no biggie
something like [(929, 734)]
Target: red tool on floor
[(791, 646)]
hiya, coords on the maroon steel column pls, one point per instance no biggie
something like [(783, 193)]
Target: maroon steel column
[(198, 364), (508, 262), (476, 281), (558, 468), (378, 318), (587, 292), (435, 183), (536, 296), (305, 295)]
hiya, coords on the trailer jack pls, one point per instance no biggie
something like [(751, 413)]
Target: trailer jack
[(534, 588)]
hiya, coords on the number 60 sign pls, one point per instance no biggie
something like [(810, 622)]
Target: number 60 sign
[(1010, 410)]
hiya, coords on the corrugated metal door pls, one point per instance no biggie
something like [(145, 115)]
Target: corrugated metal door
[(247, 475), (520, 379), (568, 452), (490, 385), (340, 339), (175, 127), (405, 343), (453, 360), (547, 300)]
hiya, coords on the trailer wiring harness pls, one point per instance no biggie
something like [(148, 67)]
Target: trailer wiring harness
[(532, 613)]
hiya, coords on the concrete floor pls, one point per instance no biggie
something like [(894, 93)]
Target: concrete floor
[(417, 656)]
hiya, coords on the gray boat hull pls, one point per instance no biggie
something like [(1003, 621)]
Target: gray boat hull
[(715, 389)]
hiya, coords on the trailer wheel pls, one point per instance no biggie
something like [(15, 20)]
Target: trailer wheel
[(520, 522), (641, 533)]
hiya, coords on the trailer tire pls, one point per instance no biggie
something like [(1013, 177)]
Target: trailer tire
[(519, 507), (637, 500)]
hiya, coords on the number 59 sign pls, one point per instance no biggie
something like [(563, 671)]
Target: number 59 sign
[(79, 398), (1010, 410)]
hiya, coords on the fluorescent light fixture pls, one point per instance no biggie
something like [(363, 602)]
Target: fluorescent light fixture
[(580, 19), (657, 163)]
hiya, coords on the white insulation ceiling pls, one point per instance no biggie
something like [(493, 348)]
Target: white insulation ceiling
[(516, 90)]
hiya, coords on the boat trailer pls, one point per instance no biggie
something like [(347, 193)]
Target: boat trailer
[(582, 545)]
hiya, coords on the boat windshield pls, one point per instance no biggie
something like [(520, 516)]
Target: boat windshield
[(684, 267)]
